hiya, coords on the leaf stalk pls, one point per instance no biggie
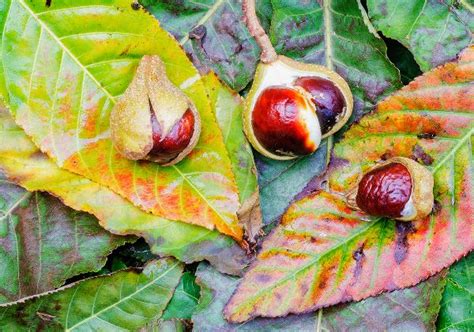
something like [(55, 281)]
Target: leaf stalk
[(268, 54)]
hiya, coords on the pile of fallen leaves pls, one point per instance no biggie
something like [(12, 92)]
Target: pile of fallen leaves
[(227, 239)]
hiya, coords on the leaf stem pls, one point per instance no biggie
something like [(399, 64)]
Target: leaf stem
[(269, 54)]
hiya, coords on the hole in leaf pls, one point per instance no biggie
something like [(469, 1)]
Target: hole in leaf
[(403, 59)]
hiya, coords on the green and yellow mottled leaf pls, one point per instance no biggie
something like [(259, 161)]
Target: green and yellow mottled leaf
[(324, 253), (43, 243), (66, 65), (22, 161), (228, 107), (435, 31), (123, 301)]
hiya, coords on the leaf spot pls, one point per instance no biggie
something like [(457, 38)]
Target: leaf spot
[(198, 33), (421, 156), (403, 229), (359, 256)]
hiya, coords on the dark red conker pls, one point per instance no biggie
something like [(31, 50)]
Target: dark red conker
[(169, 147), (278, 121), (328, 99), (385, 190)]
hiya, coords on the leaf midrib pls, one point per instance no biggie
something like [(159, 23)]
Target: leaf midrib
[(12, 208), (312, 261), (192, 185)]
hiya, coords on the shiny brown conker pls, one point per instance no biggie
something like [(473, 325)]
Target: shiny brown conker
[(284, 122), (176, 140), (293, 83), (384, 191), (399, 188)]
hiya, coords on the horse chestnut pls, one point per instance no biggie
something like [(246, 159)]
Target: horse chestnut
[(399, 188), (168, 147), (292, 105), (284, 122), (154, 120)]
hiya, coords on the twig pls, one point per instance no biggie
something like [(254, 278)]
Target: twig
[(269, 54)]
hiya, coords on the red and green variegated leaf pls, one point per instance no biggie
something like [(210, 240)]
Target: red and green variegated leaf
[(324, 253), (409, 309), (65, 67), (21, 160)]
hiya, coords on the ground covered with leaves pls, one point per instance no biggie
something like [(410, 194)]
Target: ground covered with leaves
[(227, 239)]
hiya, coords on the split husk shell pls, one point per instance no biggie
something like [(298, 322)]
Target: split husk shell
[(283, 72), (150, 91), (421, 193)]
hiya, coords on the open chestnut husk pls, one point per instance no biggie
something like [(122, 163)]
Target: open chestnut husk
[(399, 188), (154, 120), (292, 106)]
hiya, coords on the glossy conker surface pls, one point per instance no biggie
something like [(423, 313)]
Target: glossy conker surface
[(398, 188), (328, 98), (178, 138), (385, 191), (283, 120)]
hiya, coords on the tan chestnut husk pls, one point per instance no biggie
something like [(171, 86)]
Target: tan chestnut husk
[(422, 183), (131, 122), (284, 72)]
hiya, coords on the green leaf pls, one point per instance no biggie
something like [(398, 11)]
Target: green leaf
[(63, 78), (411, 309), (264, 12), (434, 31), (213, 33), (122, 301), (228, 107), (281, 181), (324, 253), (22, 160), (43, 243), (185, 298), (457, 304)]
